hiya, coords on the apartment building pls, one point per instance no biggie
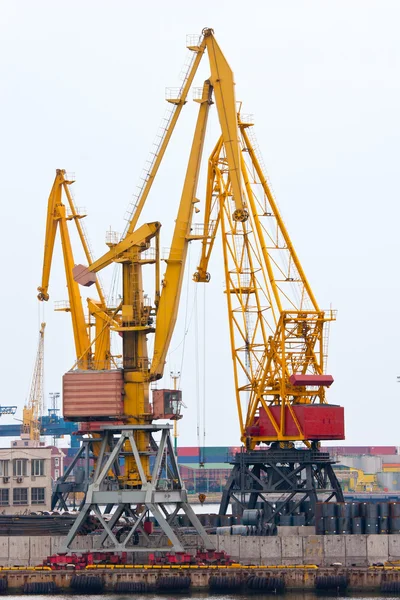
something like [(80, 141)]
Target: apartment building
[(25, 477), (57, 462)]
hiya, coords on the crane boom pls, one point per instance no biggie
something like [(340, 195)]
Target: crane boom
[(57, 217), (225, 100), (91, 353), (167, 310), (178, 103)]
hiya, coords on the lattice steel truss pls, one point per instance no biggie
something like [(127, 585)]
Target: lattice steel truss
[(278, 477), (163, 496), (64, 486)]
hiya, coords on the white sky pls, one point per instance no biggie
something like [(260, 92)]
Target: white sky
[(83, 89)]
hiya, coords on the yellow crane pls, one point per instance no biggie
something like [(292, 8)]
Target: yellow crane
[(277, 334), (30, 428), (92, 351), (276, 326), (278, 338)]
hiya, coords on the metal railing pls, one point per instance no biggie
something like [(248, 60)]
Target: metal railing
[(193, 40), (203, 229), (62, 305), (112, 238), (158, 141), (172, 93), (80, 211)]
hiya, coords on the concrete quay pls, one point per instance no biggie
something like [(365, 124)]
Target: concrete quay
[(296, 560), (200, 578), (323, 551)]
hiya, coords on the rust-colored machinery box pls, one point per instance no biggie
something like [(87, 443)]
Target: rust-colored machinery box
[(318, 421), (93, 395), (167, 404)]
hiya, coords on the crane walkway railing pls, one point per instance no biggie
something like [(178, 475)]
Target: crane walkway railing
[(256, 147), (174, 94), (81, 211)]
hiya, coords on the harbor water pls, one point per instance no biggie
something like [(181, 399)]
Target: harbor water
[(205, 596)]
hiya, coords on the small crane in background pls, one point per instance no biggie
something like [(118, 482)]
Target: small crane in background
[(30, 428)]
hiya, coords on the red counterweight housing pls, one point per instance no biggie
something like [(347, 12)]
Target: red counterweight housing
[(317, 421), (167, 404), (93, 395)]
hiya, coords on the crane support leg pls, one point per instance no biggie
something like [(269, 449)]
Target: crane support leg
[(160, 493), (281, 482), (64, 487)]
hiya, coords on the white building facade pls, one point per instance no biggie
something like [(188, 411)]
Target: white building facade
[(25, 478)]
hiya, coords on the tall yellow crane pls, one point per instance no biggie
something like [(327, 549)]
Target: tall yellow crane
[(277, 336), (276, 326), (92, 351), (30, 428), (135, 322)]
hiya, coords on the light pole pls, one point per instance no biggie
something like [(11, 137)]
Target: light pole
[(175, 377)]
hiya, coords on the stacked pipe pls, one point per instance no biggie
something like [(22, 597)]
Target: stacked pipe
[(250, 524), (344, 518), (290, 513), (36, 524)]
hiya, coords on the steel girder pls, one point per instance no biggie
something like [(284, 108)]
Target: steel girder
[(163, 496), (281, 480)]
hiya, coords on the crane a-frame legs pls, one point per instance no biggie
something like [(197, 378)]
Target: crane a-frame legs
[(281, 480), (64, 487), (163, 497)]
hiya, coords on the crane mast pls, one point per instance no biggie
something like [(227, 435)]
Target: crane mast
[(30, 428)]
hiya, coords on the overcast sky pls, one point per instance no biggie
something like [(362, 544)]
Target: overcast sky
[(83, 89)]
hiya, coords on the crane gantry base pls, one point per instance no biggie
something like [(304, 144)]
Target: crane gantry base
[(164, 496), (281, 480), (64, 487)]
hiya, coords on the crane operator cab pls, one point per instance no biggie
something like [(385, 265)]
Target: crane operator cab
[(167, 404)]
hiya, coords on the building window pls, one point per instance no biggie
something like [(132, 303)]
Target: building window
[(20, 467), (38, 467), (37, 496), (57, 461), (3, 468), (56, 473), (4, 497), (20, 496)]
